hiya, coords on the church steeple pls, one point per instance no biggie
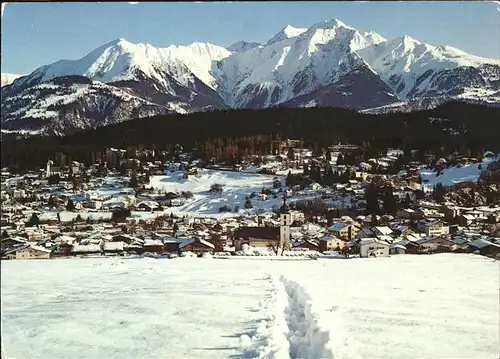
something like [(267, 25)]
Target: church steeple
[(285, 223), (284, 209)]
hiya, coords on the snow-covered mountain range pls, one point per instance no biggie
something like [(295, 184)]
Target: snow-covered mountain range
[(329, 64)]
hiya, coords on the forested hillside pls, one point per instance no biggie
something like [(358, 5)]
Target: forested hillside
[(232, 134)]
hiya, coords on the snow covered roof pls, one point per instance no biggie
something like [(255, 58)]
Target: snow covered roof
[(152, 242), (398, 245), (40, 248), (482, 243), (338, 227), (384, 230), (386, 238), (367, 241)]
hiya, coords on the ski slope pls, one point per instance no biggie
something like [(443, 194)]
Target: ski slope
[(439, 306), (453, 175)]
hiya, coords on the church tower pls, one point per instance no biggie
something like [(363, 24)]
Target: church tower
[(285, 223), (49, 168)]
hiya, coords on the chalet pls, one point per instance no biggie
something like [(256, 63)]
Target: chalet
[(256, 236), (328, 243), (365, 232), (397, 248), (382, 231), (432, 244), (432, 227), (28, 251), (62, 250), (305, 245), (485, 247), (402, 231), (149, 206), (95, 204), (412, 248), (372, 247), (405, 213), (197, 246), (124, 238), (8, 243), (450, 212), (106, 247), (344, 230), (153, 246), (465, 219), (176, 202), (173, 245)]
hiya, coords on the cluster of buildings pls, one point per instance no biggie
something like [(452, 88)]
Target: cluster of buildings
[(90, 211)]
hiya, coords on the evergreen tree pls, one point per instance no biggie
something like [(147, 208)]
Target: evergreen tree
[(389, 203), (346, 175), (248, 203), (340, 160), (329, 177), (134, 183), (34, 220), (306, 170), (408, 200), (371, 197), (52, 202), (70, 206), (439, 192), (289, 181), (328, 156)]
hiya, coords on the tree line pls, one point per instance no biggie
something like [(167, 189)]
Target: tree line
[(230, 135)]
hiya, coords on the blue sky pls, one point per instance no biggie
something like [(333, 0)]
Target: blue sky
[(35, 34)]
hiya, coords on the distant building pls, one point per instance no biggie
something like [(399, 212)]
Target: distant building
[(372, 247)]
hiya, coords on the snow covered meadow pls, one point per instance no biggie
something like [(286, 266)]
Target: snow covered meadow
[(454, 175), (237, 186), (442, 306)]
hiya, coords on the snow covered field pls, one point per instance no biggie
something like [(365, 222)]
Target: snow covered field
[(440, 306), (237, 186), (455, 175)]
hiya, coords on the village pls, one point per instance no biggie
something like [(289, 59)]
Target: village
[(297, 203)]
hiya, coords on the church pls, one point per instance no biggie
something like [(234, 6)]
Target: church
[(266, 237)]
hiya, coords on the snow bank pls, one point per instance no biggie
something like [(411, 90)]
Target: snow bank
[(188, 255)]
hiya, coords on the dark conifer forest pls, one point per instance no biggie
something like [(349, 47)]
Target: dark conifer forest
[(230, 135)]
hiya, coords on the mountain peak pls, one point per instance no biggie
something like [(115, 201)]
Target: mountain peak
[(287, 32), (331, 24), (242, 46), (115, 42), (407, 40)]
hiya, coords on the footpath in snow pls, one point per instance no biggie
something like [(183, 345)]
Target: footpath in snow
[(294, 329), (442, 306)]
